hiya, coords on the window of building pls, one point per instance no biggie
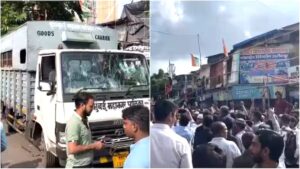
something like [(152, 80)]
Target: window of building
[(6, 59), (23, 56)]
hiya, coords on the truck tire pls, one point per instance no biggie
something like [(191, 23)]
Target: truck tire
[(49, 160)]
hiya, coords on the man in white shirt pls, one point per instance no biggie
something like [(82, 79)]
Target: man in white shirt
[(229, 148), (168, 149)]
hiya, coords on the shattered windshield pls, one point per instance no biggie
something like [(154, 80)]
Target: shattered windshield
[(103, 71)]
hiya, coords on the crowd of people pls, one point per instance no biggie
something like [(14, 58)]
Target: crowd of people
[(224, 136)]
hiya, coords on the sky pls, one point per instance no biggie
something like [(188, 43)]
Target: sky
[(175, 25)]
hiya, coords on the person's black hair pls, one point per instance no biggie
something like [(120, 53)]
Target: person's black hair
[(264, 127), (233, 115), (249, 123), (228, 122), (273, 141), (181, 111), (163, 109), (138, 114), (208, 156), (216, 117), (82, 98), (206, 112), (247, 139), (217, 128), (258, 115), (241, 125), (183, 120), (241, 115), (224, 110), (285, 119), (293, 119), (208, 120)]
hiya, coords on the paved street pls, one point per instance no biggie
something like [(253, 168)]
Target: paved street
[(20, 153)]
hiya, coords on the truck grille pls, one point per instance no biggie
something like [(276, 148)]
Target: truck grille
[(110, 129)]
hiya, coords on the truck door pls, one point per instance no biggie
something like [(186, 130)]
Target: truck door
[(46, 96)]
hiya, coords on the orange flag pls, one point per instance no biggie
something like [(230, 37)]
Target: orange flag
[(224, 48), (195, 61)]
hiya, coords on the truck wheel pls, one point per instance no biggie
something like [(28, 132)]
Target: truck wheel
[(49, 160)]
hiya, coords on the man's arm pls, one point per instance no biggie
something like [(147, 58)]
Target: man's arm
[(186, 158), (75, 148), (73, 134), (244, 108), (252, 108), (288, 107), (272, 117)]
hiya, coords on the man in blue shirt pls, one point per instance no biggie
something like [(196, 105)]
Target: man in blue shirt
[(136, 126), (3, 137), (183, 130)]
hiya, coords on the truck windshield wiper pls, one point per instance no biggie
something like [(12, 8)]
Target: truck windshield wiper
[(87, 88), (133, 86)]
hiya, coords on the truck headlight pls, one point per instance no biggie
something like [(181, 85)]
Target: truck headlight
[(62, 137)]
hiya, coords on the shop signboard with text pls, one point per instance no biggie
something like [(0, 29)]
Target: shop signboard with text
[(256, 92)]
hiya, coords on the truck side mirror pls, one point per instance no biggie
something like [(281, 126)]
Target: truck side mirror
[(52, 82), (52, 90)]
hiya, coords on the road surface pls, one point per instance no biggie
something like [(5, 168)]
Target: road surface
[(20, 153)]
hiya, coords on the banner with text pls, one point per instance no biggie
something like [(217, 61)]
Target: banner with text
[(259, 64)]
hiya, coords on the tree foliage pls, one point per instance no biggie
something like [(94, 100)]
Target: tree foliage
[(15, 13), (158, 82), (12, 15)]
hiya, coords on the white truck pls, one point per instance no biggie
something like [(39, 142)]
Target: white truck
[(44, 63)]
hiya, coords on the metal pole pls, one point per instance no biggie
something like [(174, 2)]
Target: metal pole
[(198, 38)]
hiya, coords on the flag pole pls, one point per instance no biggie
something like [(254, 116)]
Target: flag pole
[(198, 38), (225, 80)]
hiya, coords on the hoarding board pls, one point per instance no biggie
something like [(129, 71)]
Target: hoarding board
[(259, 63), (247, 92)]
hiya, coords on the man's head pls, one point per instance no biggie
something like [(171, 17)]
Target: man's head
[(239, 125), (247, 139), (208, 120), (285, 120), (183, 120), (84, 103), (264, 126), (199, 119), (278, 94), (257, 116), (136, 120), (165, 112), (206, 112), (267, 145), (229, 122), (293, 122), (224, 110), (208, 156), (219, 129)]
